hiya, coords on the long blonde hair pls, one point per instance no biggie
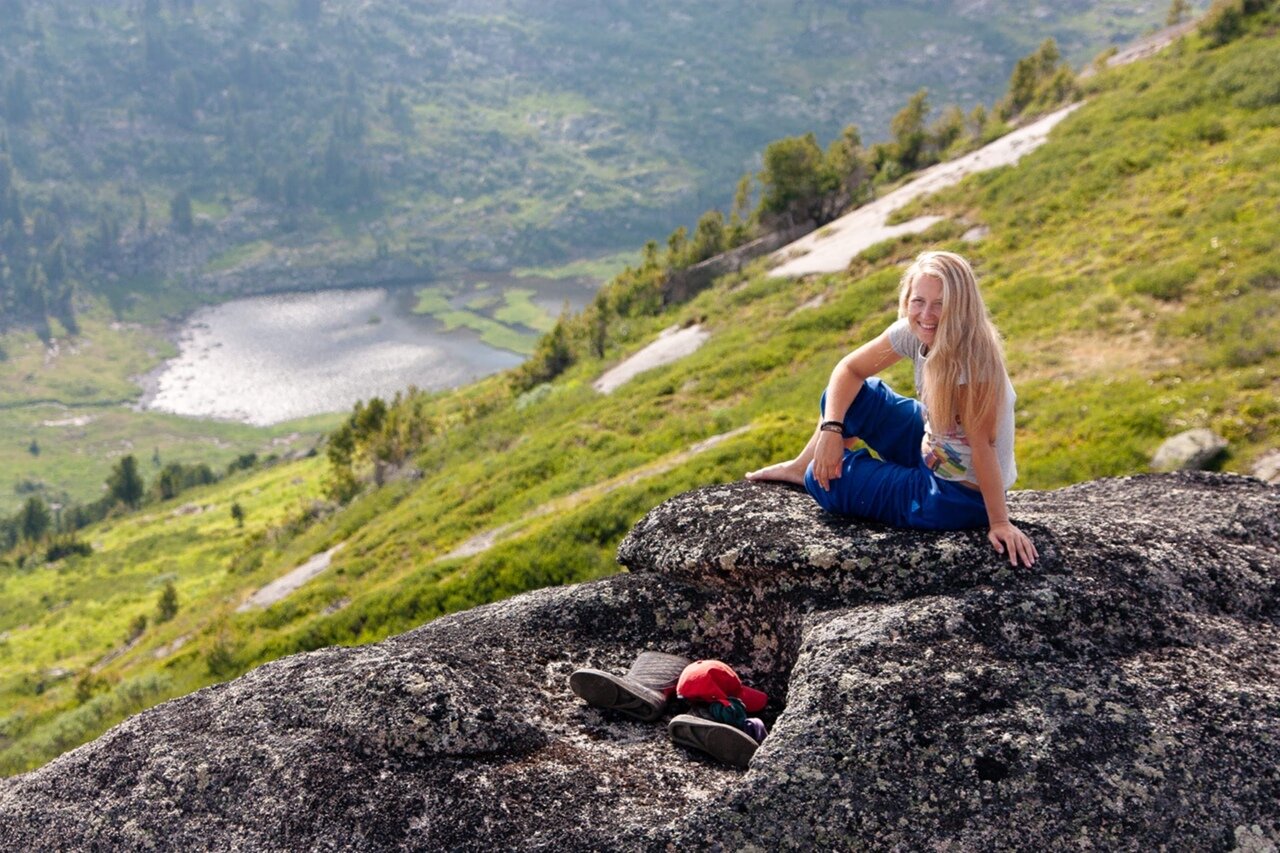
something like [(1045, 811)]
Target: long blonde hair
[(966, 345)]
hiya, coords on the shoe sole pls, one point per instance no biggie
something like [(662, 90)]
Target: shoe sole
[(722, 742), (605, 690)]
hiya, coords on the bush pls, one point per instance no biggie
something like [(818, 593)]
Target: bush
[(1167, 282), (221, 659), (167, 606), (1224, 22), (67, 546)]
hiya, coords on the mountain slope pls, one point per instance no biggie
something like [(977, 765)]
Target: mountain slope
[(224, 146)]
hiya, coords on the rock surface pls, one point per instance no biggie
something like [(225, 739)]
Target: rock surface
[(1192, 450), (925, 695)]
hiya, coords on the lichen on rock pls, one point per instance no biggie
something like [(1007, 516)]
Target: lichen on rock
[(1121, 694)]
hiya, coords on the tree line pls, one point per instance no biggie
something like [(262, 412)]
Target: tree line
[(41, 528), (258, 122)]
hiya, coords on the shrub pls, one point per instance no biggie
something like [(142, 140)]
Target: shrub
[(1224, 22), (167, 606), (67, 546), (1168, 281), (221, 659)]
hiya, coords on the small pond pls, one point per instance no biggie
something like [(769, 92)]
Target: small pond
[(266, 359)]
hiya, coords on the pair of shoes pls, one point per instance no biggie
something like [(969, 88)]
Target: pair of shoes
[(721, 741), (642, 693)]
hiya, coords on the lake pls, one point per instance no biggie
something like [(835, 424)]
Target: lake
[(266, 359)]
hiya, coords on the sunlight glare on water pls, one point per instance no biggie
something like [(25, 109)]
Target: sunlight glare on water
[(268, 359)]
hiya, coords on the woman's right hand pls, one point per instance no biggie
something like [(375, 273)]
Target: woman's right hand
[(828, 459)]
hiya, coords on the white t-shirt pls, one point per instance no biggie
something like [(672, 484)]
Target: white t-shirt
[(948, 453)]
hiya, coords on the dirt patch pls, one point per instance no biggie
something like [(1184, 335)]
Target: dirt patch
[(285, 584), (1075, 356), (671, 345)]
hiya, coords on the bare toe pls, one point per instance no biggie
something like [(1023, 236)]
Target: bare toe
[(782, 472)]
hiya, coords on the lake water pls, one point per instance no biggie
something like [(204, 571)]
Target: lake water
[(267, 359)]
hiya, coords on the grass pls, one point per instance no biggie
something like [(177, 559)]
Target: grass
[(190, 541), (509, 321), (238, 255), (78, 447), (492, 332), (72, 373), (432, 300), (520, 310), (1129, 263), (598, 269)]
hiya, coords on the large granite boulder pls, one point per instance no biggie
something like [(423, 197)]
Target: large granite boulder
[(1192, 450), (1121, 694), (1267, 468)]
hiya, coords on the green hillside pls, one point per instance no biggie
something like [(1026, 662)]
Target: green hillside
[(1130, 262)]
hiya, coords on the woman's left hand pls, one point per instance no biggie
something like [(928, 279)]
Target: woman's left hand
[(1008, 539)]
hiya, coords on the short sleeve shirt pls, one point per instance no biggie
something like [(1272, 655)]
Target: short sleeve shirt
[(947, 452)]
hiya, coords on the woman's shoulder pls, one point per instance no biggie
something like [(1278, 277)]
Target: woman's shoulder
[(904, 343)]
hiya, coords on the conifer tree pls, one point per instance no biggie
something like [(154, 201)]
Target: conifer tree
[(33, 519), (167, 606), (908, 131), (1178, 12), (125, 483), (180, 212)]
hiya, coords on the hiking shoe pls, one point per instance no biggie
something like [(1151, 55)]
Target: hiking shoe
[(658, 671), (722, 742), (606, 690)]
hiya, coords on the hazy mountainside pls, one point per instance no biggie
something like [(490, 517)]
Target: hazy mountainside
[(1129, 261), (258, 145)]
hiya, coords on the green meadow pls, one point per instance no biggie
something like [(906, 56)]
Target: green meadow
[(68, 412), (1130, 263), (508, 320)]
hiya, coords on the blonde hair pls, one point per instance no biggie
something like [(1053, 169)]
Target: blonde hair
[(966, 346)]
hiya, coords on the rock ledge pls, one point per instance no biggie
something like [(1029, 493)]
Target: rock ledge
[(1120, 695)]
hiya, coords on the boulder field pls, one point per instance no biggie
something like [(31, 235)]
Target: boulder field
[(1123, 694)]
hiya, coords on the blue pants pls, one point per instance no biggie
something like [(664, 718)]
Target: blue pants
[(897, 488)]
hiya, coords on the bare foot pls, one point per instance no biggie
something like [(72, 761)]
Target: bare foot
[(791, 471)]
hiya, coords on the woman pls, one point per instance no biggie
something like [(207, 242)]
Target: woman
[(945, 461)]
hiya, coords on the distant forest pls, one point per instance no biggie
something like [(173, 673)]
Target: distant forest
[(165, 145)]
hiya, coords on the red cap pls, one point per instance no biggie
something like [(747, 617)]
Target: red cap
[(715, 681)]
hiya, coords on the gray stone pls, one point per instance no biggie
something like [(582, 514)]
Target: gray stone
[(1120, 695), (1192, 450), (1267, 468)]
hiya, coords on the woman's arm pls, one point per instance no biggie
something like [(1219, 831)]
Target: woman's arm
[(1005, 537), (845, 383)]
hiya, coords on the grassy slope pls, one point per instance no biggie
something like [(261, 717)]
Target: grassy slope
[(76, 405), (1129, 263)]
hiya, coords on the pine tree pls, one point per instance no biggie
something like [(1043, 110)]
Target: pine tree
[(908, 131), (125, 483), (180, 212), (33, 519), (167, 606)]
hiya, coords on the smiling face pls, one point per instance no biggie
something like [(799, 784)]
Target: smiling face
[(924, 308)]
